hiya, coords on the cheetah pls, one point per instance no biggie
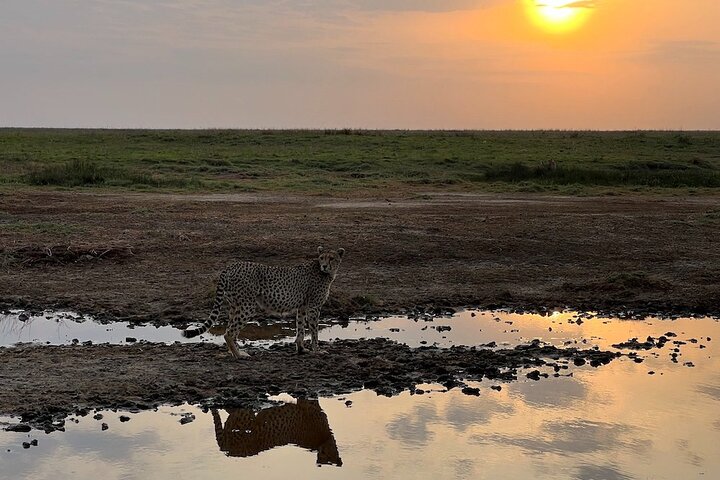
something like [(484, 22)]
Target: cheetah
[(249, 289), (247, 433)]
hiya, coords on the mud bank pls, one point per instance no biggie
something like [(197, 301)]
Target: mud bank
[(155, 258), (50, 382)]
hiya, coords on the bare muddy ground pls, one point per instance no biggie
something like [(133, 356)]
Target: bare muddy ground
[(43, 383), (155, 257)]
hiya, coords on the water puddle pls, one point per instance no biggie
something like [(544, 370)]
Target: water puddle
[(66, 328), (656, 418), (487, 328)]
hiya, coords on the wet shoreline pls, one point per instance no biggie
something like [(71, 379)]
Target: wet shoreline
[(77, 379)]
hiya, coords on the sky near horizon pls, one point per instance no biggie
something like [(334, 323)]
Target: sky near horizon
[(425, 64)]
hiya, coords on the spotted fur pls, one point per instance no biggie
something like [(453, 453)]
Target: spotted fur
[(249, 289), (247, 433)]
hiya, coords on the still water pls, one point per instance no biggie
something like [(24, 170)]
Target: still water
[(614, 422)]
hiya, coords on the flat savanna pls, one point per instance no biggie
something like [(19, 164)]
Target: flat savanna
[(360, 162)]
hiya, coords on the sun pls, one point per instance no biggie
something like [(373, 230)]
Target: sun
[(559, 16)]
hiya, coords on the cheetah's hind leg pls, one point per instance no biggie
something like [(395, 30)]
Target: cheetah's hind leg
[(236, 321), (234, 348)]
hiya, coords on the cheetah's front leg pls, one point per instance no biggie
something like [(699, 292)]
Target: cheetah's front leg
[(300, 321), (313, 318)]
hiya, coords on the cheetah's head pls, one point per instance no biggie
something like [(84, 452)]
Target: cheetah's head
[(330, 260)]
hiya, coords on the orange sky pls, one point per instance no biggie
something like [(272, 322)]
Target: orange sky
[(627, 64)]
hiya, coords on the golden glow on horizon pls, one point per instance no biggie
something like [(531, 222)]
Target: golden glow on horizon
[(558, 16)]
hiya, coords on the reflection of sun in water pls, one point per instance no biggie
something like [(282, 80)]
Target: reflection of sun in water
[(559, 16)]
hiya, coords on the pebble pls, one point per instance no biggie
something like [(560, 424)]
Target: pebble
[(348, 403), (130, 339), (496, 387), (104, 426), (187, 419), (124, 418), (471, 391), (20, 427)]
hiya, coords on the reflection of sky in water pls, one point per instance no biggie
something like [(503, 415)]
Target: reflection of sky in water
[(613, 422), (465, 328)]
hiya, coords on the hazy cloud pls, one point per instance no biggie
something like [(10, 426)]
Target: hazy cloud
[(577, 4), (412, 428), (578, 436), (683, 51), (595, 472)]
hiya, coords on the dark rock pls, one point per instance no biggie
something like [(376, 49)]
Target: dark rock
[(370, 384), (496, 387), (534, 375), (187, 419), (124, 418), (651, 372), (26, 444), (471, 391), (34, 442), (638, 360), (348, 403), (634, 344), (130, 339), (98, 416), (579, 361), (23, 317), (104, 426), (20, 427)]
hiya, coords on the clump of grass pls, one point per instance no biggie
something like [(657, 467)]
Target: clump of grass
[(653, 174), (70, 174), (79, 173), (343, 131), (683, 139)]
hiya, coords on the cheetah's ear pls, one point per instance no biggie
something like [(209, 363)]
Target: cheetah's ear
[(320, 250), (341, 252)]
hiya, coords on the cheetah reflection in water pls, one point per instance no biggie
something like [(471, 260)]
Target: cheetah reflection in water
[(303, 424), (249, 289)]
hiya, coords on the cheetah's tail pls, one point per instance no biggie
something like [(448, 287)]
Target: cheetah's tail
[(195, 331)]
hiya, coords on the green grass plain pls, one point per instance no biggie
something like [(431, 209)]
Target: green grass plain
[(345, 161)]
